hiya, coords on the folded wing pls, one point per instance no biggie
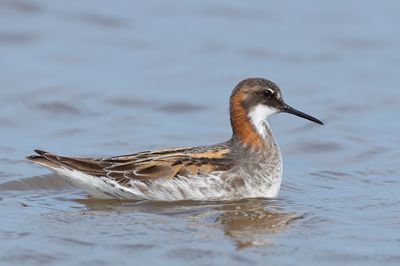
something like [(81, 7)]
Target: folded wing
[(145, 166)]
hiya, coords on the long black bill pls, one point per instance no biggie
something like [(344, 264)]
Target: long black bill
[(291, 110)]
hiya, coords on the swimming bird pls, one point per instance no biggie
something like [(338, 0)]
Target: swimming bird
[(248, 165)]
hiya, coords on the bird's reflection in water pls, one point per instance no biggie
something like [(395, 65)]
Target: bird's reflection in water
[(248, 222)]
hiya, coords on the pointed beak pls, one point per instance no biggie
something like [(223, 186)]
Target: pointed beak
[(287, 109)]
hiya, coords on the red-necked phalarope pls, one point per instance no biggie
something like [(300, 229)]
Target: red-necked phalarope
[(248, 165)]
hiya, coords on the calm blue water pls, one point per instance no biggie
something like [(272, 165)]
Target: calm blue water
[(101, 78)]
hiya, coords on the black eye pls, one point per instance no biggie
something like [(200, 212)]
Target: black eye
[(268, 93)]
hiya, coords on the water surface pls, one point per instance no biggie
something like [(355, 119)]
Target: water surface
[(97, 78)]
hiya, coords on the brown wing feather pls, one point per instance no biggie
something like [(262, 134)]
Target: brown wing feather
[(146, 166)]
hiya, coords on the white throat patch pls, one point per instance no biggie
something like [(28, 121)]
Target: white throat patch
[(258, 116)]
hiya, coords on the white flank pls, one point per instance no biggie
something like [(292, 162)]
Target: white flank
[(205, 187), (258, 116)]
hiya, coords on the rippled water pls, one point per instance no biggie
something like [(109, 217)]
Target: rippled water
[(96, 78)]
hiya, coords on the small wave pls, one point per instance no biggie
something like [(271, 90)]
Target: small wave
[(59, 108), (41, 182), (181, 107)]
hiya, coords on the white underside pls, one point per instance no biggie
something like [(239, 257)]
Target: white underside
[(205, 187)]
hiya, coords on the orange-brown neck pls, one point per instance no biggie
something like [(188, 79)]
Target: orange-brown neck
[(243, 129)]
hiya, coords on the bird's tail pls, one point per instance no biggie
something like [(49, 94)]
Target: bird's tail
[(81, 172), (45, 159)]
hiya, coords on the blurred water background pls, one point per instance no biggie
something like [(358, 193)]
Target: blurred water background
[(101, 78)]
